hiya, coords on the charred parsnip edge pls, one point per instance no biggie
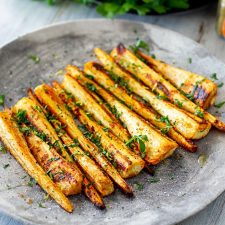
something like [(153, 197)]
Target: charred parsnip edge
[(202, 90)]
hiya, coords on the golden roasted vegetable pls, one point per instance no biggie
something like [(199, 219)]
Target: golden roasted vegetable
[(17, 146), (88, 187), (37, 118), (127, 163), (89, 167), (100, 75), (202, 90), (65, 174), (154, 146), (93, 107), (47, 96), (157, 83), (92, 194), (189, 127)]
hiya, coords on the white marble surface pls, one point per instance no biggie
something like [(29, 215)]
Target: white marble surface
[(19, 17)]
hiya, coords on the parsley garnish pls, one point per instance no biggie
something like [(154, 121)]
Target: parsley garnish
[(91, 87), (140, 139), (139, 44), (178, 103), (219, 105), (199, 113), (220, 85), (89, 76), (32, 182), (166, 129), (2, 99), (154, 180), (41, 205), (6, 166), (139, 186), (3, 149), (115, 112), (214, 76), (190, 60), (35, 58)]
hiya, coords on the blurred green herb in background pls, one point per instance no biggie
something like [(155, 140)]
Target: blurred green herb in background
[(109, 8)]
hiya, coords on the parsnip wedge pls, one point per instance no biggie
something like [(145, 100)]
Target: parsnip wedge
[(89, 167), (47, 96), (17, 146), (92, 194), (88, 188), (157, 83), (94, 108), (202, 90), (181, 121), (157, 147), (37, 118), (65, 174), (100, 75), (127, 163)]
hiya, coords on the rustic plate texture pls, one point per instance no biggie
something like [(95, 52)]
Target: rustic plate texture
[(180, 188)]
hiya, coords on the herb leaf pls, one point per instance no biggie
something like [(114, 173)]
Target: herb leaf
[(219, 105), (139, 44), (214, 76), (2, 99)]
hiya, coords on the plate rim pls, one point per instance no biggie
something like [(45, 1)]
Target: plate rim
[(189, 212)]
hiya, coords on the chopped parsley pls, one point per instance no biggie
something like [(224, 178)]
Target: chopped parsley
[(219, 105), (166, 120), (32, 182), (178, 103), (90, 184), (21, 117), (140, 139), (5, 166), (106, 129), (91, 87), (214, 76), (89, 76), (220, 85), (115, 112), (40, 204), (163, 97), (154, 180), (139, 44), (199, 113), (2, 99), (190, 60), (139, 186), (3, 149), (35, 58)]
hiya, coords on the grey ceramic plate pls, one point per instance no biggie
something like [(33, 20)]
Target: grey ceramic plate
[(183, 188)]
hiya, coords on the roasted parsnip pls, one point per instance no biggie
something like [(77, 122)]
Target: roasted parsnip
[(93, 107), (92, 194), (65, 174), (38, 119), (127, 163), (202, 90), (158, 84), (157, 147), (100, 75), (89, 167), (17, 146), (88, 188), (47, 96), (189, 127)]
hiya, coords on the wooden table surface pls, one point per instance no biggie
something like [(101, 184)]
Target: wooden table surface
[(18, 17)]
